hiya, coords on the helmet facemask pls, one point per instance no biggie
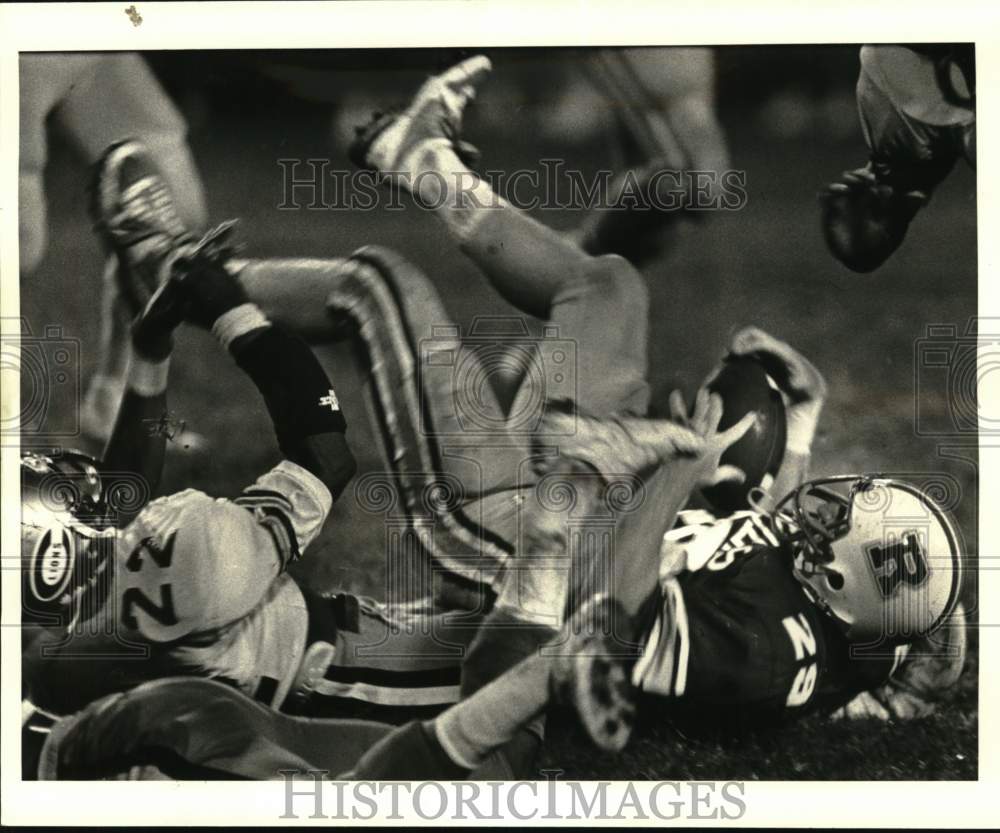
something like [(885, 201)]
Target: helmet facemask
[(814, 517)]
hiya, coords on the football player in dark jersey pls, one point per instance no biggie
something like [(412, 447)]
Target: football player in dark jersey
[(844, 597), (392, 308)]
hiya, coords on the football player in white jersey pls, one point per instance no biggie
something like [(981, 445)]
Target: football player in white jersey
[(187, 583)]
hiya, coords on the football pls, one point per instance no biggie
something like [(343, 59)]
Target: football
[(745, 386)]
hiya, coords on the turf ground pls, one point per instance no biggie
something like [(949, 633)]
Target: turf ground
[(765, 264)]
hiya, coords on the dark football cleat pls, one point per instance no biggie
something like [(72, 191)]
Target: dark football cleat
[(592, 674)]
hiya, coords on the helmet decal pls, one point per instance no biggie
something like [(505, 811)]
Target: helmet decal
[(51, 566), (897, 561)]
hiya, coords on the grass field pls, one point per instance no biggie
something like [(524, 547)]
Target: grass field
[(766, 264)]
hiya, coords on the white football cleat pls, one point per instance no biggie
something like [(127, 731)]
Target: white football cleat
[(134, 214), (434, 115)]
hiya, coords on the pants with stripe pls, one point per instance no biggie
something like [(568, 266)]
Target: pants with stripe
[(461, 463), (391, 661)]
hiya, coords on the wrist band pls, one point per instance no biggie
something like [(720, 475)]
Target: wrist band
[(802, 420), (147, 378), (237, 322)]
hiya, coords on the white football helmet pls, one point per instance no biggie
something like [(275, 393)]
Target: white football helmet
[(876, 554)]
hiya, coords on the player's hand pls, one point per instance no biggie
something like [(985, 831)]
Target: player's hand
[(866, 706), (865, 220), (704, 422), (797, 377), (153, 327), (802, 385), (211, 288)]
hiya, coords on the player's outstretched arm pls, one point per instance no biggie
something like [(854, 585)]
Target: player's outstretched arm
[(138, 439), (307, 419)]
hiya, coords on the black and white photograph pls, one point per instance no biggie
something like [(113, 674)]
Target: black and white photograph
[(407, 422)]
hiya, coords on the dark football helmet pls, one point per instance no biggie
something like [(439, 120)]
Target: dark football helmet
[(67, 538)]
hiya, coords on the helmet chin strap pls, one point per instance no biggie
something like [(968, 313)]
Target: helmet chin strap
[(814, 596), (760, 500)]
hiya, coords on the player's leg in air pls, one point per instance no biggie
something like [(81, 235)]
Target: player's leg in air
[(918, 115), (188, 583), (542, 273), (96, 100), (187, 728), (539, 272), (384, 655), (675, 154), (546, 275)]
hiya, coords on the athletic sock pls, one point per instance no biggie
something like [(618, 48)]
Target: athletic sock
[(441, 181), (486, 720), (411, 753)]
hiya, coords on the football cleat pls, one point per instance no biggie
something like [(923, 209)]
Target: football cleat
[(134, 214), (592, 674), (434, 115)]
